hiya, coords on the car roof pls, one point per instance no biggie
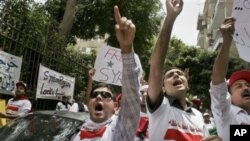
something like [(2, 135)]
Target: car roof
[(81, 116)]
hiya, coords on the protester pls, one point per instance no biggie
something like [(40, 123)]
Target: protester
[(143, 92), (196, 102), (78, 105), (142, 130), (63, 105), (169, 116), (234, 108), (18, 106), (103, 124), (91, 73), (209, 124)]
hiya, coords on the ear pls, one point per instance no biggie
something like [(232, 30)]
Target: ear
[(163, 89)]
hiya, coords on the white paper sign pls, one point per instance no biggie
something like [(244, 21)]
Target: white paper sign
[(241, 11), (52, 85), (10, 68), (108, 65)]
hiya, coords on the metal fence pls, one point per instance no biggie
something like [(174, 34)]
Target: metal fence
[(15, 40)]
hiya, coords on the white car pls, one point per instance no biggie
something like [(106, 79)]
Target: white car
[(43, 126)]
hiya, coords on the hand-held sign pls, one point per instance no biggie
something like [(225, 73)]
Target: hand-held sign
[(125, 31)]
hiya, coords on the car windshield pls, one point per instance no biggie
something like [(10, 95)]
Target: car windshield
[(39, 128)]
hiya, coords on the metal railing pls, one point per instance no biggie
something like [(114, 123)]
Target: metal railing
[(35, 50)]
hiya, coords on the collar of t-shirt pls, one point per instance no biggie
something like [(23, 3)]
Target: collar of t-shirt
[(172, 101), (20, 97), (176, 103)]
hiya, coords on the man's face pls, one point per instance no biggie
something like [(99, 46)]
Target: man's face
[(206, 118), (240, 93), (101, 104), (175, 83), (65, 99), (20, 90)]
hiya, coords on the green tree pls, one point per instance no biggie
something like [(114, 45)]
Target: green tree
[(95, 18)]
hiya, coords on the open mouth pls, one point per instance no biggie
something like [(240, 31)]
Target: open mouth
[(98, 107), (177, 82), (246, 94)]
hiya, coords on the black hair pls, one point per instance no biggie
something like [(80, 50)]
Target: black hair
[(170, 68)]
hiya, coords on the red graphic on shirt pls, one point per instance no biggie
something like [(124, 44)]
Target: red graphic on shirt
[(143, 127), (92, 134), (173, 134), (12, 108)]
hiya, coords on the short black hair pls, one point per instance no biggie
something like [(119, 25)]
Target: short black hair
[(170, 68)]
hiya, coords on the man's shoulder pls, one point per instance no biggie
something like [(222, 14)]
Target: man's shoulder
[(196, 111)]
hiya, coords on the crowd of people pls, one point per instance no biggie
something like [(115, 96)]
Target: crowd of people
[(156, 109)]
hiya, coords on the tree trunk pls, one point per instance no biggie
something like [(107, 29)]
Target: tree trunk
[(68, 18)]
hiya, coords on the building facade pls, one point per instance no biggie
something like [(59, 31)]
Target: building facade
[(214, 13)]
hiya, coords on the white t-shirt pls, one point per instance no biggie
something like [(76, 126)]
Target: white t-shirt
[(75, 107), (211, 127), (18, 107), (168, 123), (61, 107), (226, 114)]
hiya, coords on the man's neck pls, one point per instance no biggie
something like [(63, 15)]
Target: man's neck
[(18, 97)]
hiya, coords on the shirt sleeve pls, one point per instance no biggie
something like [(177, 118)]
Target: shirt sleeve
[(220, 102), (153, 107), (128, 118)]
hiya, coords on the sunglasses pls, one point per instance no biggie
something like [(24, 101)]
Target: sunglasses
[(102, 93)]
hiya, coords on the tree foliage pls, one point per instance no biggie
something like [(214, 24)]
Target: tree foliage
[(95, 19)]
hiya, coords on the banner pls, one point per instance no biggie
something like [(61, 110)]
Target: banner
[(108, 65), (241, 10), (10, 68), (52, 85), (2, 110)]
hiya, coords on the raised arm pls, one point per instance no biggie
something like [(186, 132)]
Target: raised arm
[(2, 115), (90, 83), (174, 7), (130, 103), (221, 62)]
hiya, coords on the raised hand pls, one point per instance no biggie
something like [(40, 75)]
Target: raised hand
[(91, 72), (174, 7), (125, 31), (227, 28)]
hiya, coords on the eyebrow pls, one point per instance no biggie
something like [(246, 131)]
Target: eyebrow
[(171, 73)]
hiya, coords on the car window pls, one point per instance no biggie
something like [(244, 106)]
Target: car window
[(39, 128)]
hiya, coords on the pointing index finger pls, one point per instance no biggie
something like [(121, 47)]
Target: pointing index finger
[(117, 15)]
